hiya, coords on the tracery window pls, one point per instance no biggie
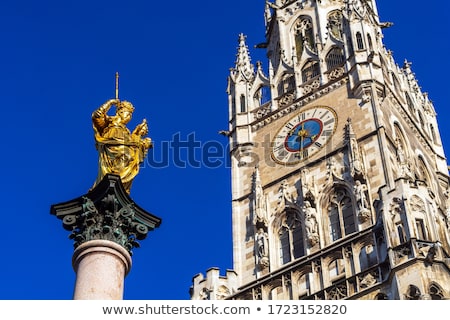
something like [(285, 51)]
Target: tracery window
[(304, 35), (335, 24), (291, 238), (341, 215), (310, 70)]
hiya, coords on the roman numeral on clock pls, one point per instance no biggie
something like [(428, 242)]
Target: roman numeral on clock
[(328, 122)]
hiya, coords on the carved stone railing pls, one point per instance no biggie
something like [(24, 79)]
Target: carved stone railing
[(316, 265)]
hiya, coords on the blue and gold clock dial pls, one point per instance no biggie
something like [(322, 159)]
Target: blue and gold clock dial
[(304, 135)]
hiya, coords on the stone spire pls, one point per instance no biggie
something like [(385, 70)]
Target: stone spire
[(243, 60)]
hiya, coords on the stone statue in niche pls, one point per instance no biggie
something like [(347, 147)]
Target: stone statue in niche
[(308, 186), (285, 198), (259, 200), (447, 208), (405, 166), (311, 227), (262, 248), (354, 153), (363, 210)]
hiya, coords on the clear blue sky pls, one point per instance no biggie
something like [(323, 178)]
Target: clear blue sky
[(58, 60)]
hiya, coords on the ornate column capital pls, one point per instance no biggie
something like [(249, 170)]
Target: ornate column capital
[(106, 212)]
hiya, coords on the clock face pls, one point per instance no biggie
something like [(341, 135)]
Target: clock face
[(304, 135)]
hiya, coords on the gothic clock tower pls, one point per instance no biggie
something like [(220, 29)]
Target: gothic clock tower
[(340, 185)]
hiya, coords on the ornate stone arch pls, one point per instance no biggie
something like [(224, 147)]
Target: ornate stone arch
[(288, 230), (273, 289), (423, 171), (339, 212), (303, 30)]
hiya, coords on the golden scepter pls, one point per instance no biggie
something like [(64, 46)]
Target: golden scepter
[(117, 88)]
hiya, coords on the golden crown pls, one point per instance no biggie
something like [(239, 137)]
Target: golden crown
[(125, 105)]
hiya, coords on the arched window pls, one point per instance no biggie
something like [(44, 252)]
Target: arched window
[(243, 104), (233, 105), (423, 172), (291, 238), (335, 58), (341, 215), (422, 123), (367, 257), (413, 293), (304, 286), (436, 292), (336, 269), (410, 104), (310, 70), (286, 84), (262, 96), (335, 24), (369, 42), (304, 35), (359, 41), (397, 85), (381, 296), (433, 134), (401, 233)]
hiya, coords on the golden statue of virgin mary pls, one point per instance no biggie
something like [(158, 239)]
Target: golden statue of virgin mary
[(120, 151)]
